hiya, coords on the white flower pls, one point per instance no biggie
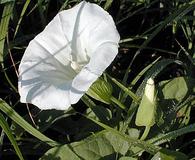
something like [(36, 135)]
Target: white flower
[(61, 63)]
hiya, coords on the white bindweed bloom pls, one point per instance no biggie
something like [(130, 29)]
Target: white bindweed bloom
[(61, 63)]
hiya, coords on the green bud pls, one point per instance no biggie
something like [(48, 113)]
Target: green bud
[(147, 108), (101, 91)]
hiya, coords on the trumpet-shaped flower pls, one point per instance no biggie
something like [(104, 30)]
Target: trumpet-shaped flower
[(61, 63)]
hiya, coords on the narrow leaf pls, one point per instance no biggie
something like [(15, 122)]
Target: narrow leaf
[(21, 16), (7, 11), (6, 1), (108, 4), (172, 135), (21, 122), (126, 90), (177, 15), (8, 132), (166, 154)]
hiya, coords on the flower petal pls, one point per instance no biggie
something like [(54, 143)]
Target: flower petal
[(45, 70), (81, 84), (102, 58), (90, 73), (46, 96), (43, 81), (90, 27), (103, 38), (102, 48)]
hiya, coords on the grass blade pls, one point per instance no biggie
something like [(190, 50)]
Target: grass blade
[(7, 130), (175, 16), (21, 16), (108, 4), (140, 74), (126, 90), (5, 1), (123, 95), (172, 135), (7, 12), (21, 122)]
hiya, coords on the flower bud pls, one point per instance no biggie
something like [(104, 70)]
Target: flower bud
[(147, 108)]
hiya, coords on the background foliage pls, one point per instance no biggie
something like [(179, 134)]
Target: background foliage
[(157, 40)]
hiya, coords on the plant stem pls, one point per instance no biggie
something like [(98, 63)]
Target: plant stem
[(145, 134), (116, 101), (126, 90)]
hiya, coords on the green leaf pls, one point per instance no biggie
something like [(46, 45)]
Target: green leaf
[(160, 66), (21, 16), (6, 15), (46, 118), (126, 90), (100, 112), (127, 158), (8, 132), (123, 94), (154, 71), (133, 132), (43, 120), (172, 135), (177, 15), (6, 1), (7, 12), (119, 104), (175, 102), (97, 111), (166, 154), (60, 153), (101, 91), (142, 72), (143, 145), (95, 147), (108, 4), (21, 122), (175, 89)]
